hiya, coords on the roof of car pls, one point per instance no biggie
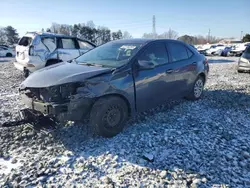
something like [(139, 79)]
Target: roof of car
[(49, 34), (141, 40)]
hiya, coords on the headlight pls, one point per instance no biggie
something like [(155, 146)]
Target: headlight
[(244, 60), (68, 89), (59, 93)]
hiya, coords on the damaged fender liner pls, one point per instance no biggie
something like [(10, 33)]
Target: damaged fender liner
[(75, 109)]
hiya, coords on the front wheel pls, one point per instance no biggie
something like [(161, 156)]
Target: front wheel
[(108, 116), (197, 89), (8, 55)]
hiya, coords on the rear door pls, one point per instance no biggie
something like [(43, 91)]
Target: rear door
[(84, 46), (67, 49), (154, 86), (183, 66)]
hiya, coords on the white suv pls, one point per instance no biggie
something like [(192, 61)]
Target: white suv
[(37, 50)]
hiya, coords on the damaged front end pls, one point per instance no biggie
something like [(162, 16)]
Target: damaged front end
[(62, 102)]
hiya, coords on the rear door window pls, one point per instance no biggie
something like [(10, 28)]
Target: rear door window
[(25, 41), (178, 51), (50, 43), (85, 45), (68, 43)]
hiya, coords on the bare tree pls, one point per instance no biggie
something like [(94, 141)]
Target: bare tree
[(170, 34), (126, 35), (90, 24), (149, 35), (3, 37)]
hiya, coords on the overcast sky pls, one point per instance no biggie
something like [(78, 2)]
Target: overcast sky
[(225, 18)]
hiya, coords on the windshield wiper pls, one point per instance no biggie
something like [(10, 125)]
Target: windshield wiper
[(91, 64)]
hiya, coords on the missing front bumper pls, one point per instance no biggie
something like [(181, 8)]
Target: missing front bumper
[(45, 108), (74, 110)]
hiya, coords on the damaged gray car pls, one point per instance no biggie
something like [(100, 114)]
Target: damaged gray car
[(116, 80)]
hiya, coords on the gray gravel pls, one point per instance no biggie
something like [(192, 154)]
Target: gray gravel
[(179, 144)]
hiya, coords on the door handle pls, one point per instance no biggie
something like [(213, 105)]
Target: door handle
[(194, 63), (169, 71)]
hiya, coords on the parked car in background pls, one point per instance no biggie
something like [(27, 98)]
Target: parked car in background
[(215, 49), (6, 51), (3, 45), (244, 61), (202, 48), (116, 80), (226, 51), (37, 50), (239, 49)]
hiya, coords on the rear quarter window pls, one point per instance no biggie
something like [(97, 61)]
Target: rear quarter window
[(68, 43), (190, 53), (178, 51), (25, 41), (247, 51), (85, 45)]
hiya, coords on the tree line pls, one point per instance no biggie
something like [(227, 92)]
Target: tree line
[(89, 31), (8, 35)]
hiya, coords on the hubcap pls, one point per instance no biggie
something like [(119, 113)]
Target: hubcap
[(112, 117), (198, 88)]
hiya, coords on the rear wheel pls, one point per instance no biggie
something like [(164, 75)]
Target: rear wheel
[(108, 116), (26, 73), (240, 71), (197, 89), (8, 55)]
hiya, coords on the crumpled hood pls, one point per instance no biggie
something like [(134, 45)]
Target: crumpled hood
[(61, 73)]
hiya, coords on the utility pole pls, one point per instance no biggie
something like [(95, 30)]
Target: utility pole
[(241, 35), (208, 37), (154, 30)]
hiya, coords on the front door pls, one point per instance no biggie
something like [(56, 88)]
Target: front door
[(67, 49), (153, 87)]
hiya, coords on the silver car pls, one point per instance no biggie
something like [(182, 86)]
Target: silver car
[(37, 50), (244, 61)]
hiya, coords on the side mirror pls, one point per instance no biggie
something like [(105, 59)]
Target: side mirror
[(145, 65)]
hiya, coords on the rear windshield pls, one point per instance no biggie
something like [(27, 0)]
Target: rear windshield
[(25, 41)]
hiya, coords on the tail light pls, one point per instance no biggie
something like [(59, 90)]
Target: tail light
[(206, 62), (32, 51)]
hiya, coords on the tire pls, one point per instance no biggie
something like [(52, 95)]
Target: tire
[(240, 71), (197, 90), (26, 74), (108, 116), (8, 55)]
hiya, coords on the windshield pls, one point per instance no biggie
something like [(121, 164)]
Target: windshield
[(110, 54)]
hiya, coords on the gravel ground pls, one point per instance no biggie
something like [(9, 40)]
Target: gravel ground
[(181, 144)]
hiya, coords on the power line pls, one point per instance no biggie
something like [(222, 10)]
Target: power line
[(154, 30), (208, 37)]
